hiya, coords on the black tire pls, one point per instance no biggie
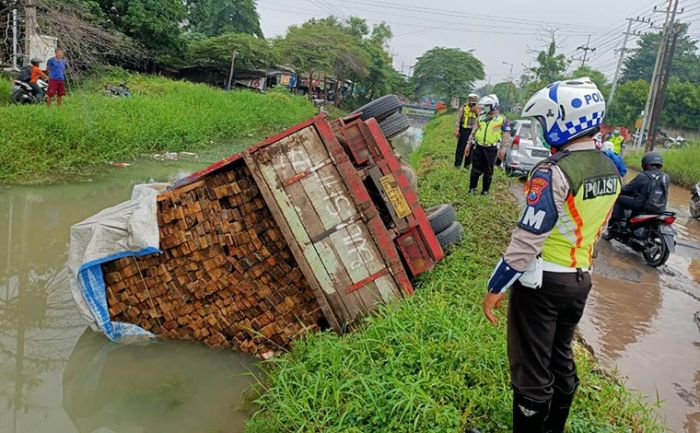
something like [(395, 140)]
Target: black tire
[(394, 125), (19, 97), (380, 108), (441, 217), (657, 253), (451, 235)]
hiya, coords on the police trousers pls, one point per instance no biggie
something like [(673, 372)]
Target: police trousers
[(483, 162), (462, 143), (541, 324)]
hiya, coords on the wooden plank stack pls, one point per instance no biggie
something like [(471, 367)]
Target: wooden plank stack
[(226, 276)]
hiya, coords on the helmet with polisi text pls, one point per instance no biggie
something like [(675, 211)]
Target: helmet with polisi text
[(567, 110)]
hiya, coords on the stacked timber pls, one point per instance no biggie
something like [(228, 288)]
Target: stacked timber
[(225, 277)]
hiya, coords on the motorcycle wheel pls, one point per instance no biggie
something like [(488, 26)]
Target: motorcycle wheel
[(20, 97), (656, 253)]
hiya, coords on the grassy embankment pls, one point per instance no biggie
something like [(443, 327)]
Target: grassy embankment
[(683, 165), (163, 115), (430, 363)]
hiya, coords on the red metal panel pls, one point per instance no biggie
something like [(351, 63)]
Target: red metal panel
[(209, 170), (363, 283), (414, 253)]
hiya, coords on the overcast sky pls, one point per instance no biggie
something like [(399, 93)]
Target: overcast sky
[(498, 31)]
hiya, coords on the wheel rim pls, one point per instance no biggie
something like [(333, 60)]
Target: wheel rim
[(655, 250)]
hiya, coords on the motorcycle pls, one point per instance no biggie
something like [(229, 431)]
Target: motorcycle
[(669, 141), (695, 201), (119, 91), (22, 92), (650, 233)]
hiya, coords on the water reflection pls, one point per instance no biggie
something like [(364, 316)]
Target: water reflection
[(48, 363)]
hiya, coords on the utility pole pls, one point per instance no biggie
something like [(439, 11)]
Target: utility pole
[(585, 48), (651, 110), (510, 83), (230, 74), (30, 28), (15, 39), (623, 50)]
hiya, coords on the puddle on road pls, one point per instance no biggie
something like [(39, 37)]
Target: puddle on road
[(59, 377), (641, 320)]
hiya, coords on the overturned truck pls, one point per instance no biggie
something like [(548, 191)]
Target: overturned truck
[(310, 229)]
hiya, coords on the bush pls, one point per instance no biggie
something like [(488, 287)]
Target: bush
[(162, 115), (682, 165)]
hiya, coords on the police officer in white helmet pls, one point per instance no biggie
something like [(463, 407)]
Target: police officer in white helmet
[(568, 197), (488, 135)]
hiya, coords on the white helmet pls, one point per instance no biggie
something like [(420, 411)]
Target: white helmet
[(567, 110), (490, 101), (473, 98)]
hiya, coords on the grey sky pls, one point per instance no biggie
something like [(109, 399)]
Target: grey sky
[(505, 30)]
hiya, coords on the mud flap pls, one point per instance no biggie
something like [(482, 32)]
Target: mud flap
[(669, 235)]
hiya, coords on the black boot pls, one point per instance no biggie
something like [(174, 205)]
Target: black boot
[(528, 414), (559, 411)]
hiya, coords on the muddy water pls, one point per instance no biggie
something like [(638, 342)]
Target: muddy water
[(57, 376), (640, 320)]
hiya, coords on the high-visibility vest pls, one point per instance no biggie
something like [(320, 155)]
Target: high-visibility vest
[(594, 186), (490, 130), (468, 114), (617, 143)]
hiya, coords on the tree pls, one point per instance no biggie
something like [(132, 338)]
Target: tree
[(215, 53), (629, 103), (596, 76), (153, 23), (682, 108), (446, 73), (215, 17), (640, 65), (507, 93), (550, 66)]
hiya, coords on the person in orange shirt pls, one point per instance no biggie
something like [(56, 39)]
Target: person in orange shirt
[(36, 74)]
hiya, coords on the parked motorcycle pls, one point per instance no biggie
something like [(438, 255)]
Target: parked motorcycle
[(695, 201), (669, 141), (650, 233), (22, 92), (119, 91)]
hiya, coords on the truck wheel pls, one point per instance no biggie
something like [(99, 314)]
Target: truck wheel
[(380, 108), (441, 217), (451, 235), (394, 125)]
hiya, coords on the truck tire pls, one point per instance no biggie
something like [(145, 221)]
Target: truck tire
[(394, 125), (441, 217), (452, 235), (380, 108)]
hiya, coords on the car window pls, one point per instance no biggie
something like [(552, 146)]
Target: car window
[(525, 132)]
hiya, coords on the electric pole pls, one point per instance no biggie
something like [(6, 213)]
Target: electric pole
[(663, 63), (623, 50), (585, 48), (30, 27)]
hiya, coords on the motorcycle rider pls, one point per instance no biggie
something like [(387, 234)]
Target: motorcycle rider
[(648, 192), (466, 123), (489, 133), (568, 199), (31, 74)]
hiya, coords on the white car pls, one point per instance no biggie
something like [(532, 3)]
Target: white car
[(526, 148)]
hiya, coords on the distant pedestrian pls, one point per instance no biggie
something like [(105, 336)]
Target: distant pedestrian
[(56, 67), (466, 123)]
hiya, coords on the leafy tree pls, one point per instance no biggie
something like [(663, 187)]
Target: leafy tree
[(596, 76), (153, 23), (682, 108), (629, 103), (550, 66), (215, 53), (214, 17), (507, 93), (446, 73), (640, 65)]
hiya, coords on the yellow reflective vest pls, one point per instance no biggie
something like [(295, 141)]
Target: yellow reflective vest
[(490, 130), (594, 184), (617, 143), (469, 114)]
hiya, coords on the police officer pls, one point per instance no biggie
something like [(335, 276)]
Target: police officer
[(466, 124), (617, 141), (568, 199), (489, 133)]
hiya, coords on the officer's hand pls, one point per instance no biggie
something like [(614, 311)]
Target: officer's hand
[(491, 301), (457, 133)]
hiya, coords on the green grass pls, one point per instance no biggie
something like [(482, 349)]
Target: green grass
[(683, 165), (5, 89), (430, 363), (163, 115)]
